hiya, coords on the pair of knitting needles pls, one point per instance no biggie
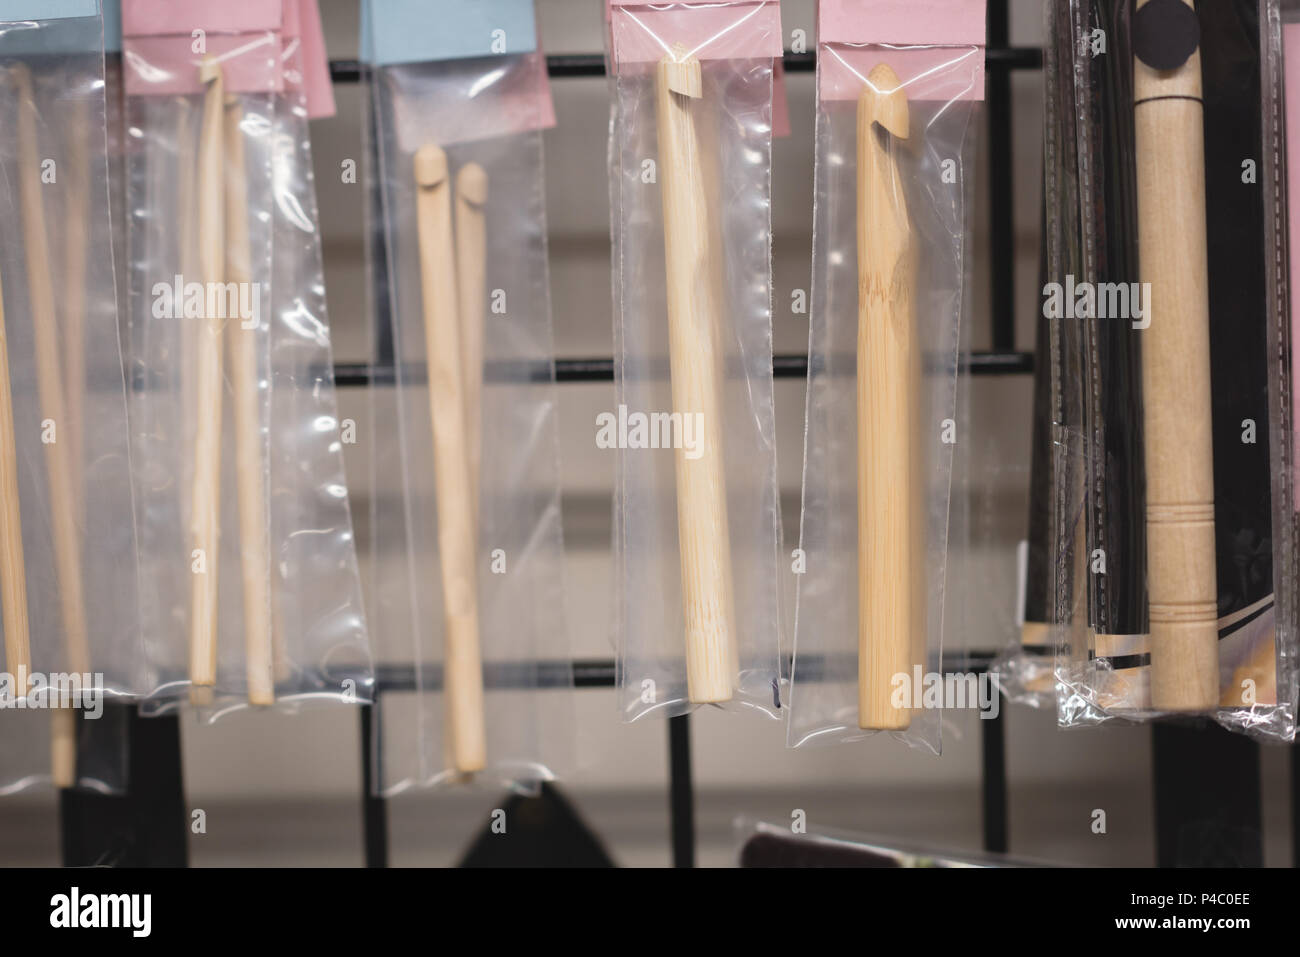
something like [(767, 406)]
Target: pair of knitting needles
[(453, 282), (62, 408), (225, 257)]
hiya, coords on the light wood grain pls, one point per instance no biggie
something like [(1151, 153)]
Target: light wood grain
[(891, 620), (1181, 576), (75, 177), (463, 667), (53, 410), (693, 345), (205, 494), (471, 283), (250, 435)]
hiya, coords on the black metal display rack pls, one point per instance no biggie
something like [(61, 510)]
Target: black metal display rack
[(148, 825)]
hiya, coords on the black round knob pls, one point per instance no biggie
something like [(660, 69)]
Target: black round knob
[(1165, 34)]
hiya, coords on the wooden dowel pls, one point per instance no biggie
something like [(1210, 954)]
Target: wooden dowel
[(13, 569), (1181, 576), (205, 496), (891, 544), (693, 338), (250, 438), (74, 174), (463, 667), (58, 452), (471, 279)]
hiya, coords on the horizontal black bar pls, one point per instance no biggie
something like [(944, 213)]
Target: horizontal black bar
[(789, 366), (602, 672), (593, 64)]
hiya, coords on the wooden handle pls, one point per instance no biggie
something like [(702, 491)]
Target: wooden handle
[(1181, 585), (693, 320), (471, 280), (891, 620), (463, 670), (250, 439), (205, 495), (13, 569)]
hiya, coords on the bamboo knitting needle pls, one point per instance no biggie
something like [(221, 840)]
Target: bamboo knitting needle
[(471, 279), (58, 458), (250, 441), (1181, 576), (889, 535), (463, 670), (205, 497), (13, 569), (75, 176), (693, 321)]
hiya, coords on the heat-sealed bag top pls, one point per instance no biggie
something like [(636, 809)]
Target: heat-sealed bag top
[(245, 532), (898, 85), (466, 522), (1173, 579), (696, 507), (68, 581)]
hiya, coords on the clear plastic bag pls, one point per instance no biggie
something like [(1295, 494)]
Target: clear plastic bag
[(1145, 455), (254, 593), (696, 509), (1026, 667), (466, 528), (68, 580), (890, 287)]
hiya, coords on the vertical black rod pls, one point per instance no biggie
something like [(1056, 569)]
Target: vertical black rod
[(994, 783), (681, 794), (1208, 809), (374, 810), (147, 824), (1002, 253), (157, 792)]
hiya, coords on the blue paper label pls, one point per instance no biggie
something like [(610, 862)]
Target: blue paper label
[(112, 26), (65, 27), (419, 31)]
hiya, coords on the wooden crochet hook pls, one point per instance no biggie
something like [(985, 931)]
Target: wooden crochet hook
[(693, 322), (463, 668), (471, 279), (205, 496), (13, 569), (58, 453), (890, 540), (250, 439), (1181, 570)]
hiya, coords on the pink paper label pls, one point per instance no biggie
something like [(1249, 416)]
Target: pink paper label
[(641, 32), (924, 22), (169, 65), (935, 46), (927, 73), (317, 84), (183, 17)]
